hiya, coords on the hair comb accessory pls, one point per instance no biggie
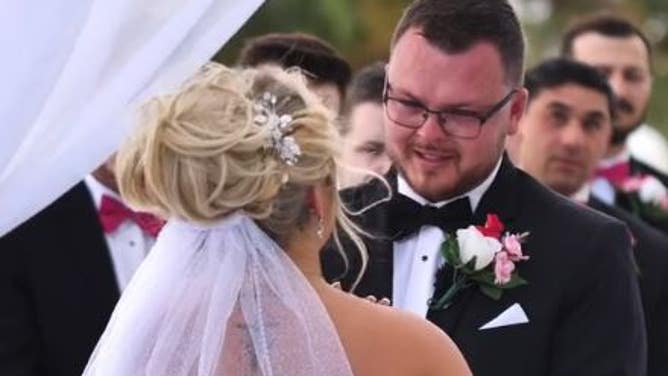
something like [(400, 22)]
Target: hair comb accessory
[(280, 126)]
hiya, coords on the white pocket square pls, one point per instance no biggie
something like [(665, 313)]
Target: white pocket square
[(512, 316)]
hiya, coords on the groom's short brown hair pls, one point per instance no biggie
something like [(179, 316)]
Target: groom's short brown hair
[(456, 25)]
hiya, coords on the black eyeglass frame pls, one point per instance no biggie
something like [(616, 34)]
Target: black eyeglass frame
[(442, 114)]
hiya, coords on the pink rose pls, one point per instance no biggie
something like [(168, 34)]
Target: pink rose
[(633, 184), (652, 191), (503, 268), (514, 248)]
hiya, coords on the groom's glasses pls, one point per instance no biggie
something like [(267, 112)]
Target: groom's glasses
[(455, 122)]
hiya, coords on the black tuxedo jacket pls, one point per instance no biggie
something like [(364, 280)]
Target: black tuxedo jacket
[(582, 301), (651, 254), (57, 289)]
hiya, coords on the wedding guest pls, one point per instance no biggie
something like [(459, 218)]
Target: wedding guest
[(61, 273), (544, 286), (362, 128), (242, 162), (621, 52), (329, 73), (564, 133)]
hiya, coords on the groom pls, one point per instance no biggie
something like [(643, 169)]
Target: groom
[(453, 93)]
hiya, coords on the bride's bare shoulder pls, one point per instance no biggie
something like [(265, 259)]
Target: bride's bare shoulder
[(413, 343)]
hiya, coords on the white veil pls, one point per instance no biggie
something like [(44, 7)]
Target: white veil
[(219, 300)]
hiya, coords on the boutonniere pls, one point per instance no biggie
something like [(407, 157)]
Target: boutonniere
[(483, 256), (647, 196)]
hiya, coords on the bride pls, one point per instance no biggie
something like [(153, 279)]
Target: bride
[(242, 163)]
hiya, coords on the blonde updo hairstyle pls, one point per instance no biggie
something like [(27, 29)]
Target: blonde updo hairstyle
[(199, 156)]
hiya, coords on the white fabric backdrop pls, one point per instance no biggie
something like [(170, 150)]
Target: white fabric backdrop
[(73, 73)]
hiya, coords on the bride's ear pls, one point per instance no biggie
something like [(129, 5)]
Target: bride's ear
[(314, 201)]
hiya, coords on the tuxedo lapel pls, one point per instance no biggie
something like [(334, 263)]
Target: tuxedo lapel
[(92, 252), (63, 257), (500, 199)]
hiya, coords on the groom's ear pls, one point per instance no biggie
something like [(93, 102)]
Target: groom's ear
[(518, 107)]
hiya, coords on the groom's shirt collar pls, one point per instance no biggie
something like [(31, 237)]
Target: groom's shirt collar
[(474, 195)]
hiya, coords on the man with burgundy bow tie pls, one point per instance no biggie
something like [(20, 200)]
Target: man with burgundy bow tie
[(453, 94), (61, 273), (623, 54)]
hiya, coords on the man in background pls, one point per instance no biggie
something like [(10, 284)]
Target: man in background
[(362, 127), (623, 54), (61, 273), (328, 73), (562, 137)]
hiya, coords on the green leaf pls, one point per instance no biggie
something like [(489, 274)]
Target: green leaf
[(450, 252), (493, 292), (515, 281), (648, 211), (485, 277), (446, 299)]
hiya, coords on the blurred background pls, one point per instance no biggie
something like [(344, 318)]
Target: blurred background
[(361, 30)]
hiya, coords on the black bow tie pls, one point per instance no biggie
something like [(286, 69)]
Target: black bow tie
[(407, 216)]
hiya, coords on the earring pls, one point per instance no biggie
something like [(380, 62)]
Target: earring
[(321, 228)]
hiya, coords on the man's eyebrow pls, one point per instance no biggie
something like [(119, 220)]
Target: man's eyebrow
[(557, 105), (412, 98), (403, 92), (370, 143), (595, 114)]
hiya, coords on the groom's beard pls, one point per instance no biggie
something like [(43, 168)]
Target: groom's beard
[(620, 134)]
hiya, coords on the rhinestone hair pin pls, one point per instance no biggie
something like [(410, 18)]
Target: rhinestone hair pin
[(284, 145)]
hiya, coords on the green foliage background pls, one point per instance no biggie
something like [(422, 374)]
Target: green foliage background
[(361, 30)]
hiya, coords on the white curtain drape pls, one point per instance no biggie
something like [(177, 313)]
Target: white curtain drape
[(73, 74)]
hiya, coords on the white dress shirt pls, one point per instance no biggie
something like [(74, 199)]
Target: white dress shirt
[(128, 244), (647, 144), (417, 257)]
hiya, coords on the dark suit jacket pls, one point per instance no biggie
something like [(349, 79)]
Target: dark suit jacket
[(57, 289), (638, 167), (651, 253), (582, 300)]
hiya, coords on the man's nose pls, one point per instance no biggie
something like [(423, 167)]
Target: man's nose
[(619, 85), (431, 129), (572, 135)]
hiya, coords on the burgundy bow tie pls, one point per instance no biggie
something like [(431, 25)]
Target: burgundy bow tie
[(615, 174), (113, 213)]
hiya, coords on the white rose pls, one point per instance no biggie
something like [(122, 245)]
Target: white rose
[(652, 190), (473, 243)]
